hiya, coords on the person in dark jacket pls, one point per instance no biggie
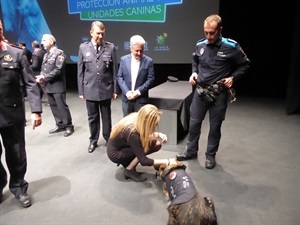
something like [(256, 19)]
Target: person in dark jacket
[(27, 52), (15, 67), (135, 76), (97, 85), (37, 60), (53, 78), (217, 63), (133, 138)]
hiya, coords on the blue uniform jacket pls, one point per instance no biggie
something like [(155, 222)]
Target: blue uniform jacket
[(223, 59)]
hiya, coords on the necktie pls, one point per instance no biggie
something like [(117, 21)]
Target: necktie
[(97, 48)]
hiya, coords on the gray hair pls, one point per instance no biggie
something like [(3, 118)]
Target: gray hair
[(137, 40), (50, 37), (97, 24)]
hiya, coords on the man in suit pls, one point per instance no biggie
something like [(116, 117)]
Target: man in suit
[(53, 78), (27, 52), (37, 60), (97, 85), (135, 76), (13, 68)]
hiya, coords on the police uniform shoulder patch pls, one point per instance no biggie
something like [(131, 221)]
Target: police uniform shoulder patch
[(61, 58), (8, 58)]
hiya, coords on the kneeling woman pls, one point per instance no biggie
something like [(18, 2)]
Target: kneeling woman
[(133, 138)]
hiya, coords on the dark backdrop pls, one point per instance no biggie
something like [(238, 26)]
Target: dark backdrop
[(269, 34)]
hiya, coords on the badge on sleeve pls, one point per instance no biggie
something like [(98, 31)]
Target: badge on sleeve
[(201, 51), (8, 58), (61, 58)]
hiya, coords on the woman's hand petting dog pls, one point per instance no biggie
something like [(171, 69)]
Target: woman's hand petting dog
[(173, 161)]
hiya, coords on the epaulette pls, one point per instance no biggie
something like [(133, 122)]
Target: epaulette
[(229, 41), (201, 41), (85, 43), (15, 46), (109, 43), (59, 51)]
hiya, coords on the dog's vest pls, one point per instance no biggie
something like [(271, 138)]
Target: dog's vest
[(180, 187)]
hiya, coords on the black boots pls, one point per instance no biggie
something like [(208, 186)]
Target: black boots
[(132, 174)]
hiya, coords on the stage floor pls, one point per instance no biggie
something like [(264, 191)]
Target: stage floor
[(256, 180)]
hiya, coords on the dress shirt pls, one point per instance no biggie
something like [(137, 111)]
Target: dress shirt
[(135, 65)]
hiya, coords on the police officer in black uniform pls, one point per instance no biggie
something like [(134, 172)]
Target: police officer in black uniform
[(53, 78), (15, 67), (97, 85), (216, 63)]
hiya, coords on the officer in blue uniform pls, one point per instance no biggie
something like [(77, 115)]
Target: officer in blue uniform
[(13, 68), (217, 62), (97, 73)]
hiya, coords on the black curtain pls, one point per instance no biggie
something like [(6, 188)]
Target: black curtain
[(293, 87)]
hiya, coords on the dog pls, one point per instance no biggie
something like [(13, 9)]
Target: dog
[(186, 206)]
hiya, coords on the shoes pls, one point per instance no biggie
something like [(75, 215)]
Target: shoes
[(1, 191), (69, 132), (210, 162), (1, 195), (92, 148), (56, 130), (132, 174), (24, 200), (186, 156)]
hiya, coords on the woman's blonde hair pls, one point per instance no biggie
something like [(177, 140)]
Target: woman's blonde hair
[(144, 122)]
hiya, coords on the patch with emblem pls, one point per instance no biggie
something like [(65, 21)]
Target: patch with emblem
[(201, 51), (8, 58), (88, 54), (61, 58), (173, 175)]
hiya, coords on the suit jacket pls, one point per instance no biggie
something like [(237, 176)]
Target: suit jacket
[(37, 60), (97, 73), (13, 67), (145, 78), (53, 68), (28, 54)]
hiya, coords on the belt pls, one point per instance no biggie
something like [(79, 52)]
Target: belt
[(214, 88)]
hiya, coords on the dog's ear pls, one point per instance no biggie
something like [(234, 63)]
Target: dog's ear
[(209, 202), (161, 169)]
